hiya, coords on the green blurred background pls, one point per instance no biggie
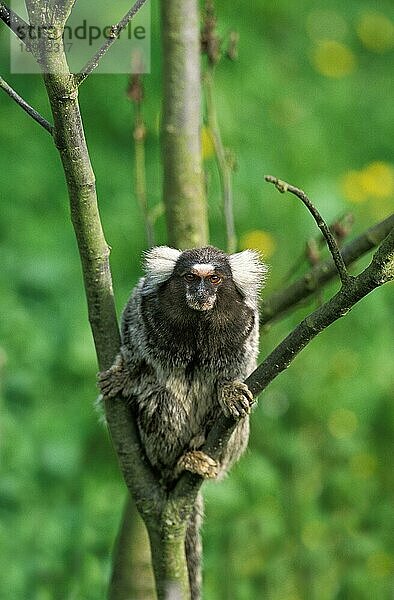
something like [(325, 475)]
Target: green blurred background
[(308, 511)]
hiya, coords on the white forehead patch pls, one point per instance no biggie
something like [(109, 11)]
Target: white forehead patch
[(203, 269)]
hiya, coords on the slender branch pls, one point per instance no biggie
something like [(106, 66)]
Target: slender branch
[(211, 46), (25, 106), (17, 25), (340, 228), (380, 271), (94, 254), (116, 30), (283, 300), (135, 93), (140, 176), (282, 186), (224, 168)]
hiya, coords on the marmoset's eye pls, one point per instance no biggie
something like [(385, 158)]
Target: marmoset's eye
[(189, 276), (215, 279)]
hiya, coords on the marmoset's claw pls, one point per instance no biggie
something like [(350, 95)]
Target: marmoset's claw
[(112, 381), (236, 399), (198, 462)]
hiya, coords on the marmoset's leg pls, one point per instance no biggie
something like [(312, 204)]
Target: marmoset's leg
[(197, 462)]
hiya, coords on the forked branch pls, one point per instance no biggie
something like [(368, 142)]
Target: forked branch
[(65, 7), (289, 297), (282, 186), (116, 30)]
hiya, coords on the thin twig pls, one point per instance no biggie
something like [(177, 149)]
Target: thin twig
[(224, 168), (140, 174), (211, 46), (340, 228), (26, 107), (282, 186), (17, 25), (280, 302), (115, 32), (135, 93)]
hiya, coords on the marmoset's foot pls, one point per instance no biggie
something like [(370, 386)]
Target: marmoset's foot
[(112, 381), (236, 399), (198, 462)]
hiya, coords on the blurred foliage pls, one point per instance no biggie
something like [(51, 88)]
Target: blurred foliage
[(308, 512)]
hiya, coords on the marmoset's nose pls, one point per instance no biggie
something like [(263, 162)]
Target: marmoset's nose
[(202, 291)]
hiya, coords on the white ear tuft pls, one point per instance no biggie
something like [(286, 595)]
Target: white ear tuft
[(249, 273), (159, 263)]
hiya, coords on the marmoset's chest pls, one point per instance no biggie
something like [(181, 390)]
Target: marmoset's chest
[(175, 406), (210, 341), (193, 390)]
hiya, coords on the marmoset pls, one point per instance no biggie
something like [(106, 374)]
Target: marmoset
[(189, 338)]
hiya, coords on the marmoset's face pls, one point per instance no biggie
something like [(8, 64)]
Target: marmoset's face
[(202, 285), (202, 282)]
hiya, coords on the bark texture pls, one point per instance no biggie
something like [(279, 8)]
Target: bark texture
[(183, 184)]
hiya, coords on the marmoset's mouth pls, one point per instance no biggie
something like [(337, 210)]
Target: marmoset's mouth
[(202, 305)]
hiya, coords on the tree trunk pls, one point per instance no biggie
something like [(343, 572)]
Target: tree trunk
[(183, 182)]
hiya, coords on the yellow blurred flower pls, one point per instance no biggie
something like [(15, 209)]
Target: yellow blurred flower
[(333, 59), (258, 240), (375, 181), (378, 179), (376, 32), (342, 423), (352, 187), (207, 146)]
